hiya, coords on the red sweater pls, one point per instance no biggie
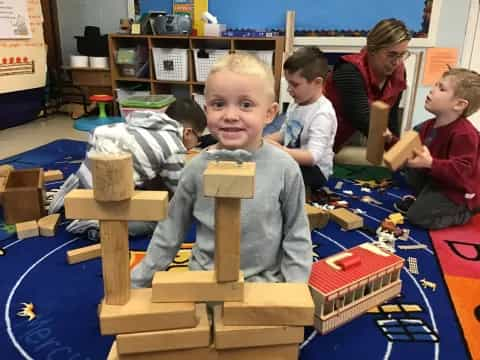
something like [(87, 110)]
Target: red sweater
[(389, 94), (455, 150)]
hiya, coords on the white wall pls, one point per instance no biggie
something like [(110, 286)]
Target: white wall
[(74, 15), (451, 33)]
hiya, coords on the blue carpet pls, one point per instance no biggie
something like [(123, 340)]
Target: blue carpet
[(66, 296)]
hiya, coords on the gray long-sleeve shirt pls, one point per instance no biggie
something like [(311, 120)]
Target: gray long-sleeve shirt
[(275, 241)]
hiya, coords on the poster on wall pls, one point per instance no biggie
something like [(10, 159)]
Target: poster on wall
[(14, 20), (23, 61)]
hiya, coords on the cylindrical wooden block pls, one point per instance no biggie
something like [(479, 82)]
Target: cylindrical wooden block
[(227, 239), (115, 261), (112, 176)]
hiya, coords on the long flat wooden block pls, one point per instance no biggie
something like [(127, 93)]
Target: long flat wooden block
[(206, 353), (227, 239), (346, 219), (27, 229), (402, 150), (229, 179), (288, 304), (84, 253), (229, 337), (52, 175), (112, 176), (275, 352), (317, 218), (378, 124), (140, 314), (143, 206), (165, 340), (196, 286), (48, 224), (115, 261)]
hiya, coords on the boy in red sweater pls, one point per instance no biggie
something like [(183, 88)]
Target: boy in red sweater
[(445, 175)]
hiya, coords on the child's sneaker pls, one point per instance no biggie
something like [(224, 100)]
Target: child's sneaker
[(59, 198), (88, 227), (404, 204)]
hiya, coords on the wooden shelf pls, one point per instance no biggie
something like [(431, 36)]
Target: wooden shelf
[(116, 41)]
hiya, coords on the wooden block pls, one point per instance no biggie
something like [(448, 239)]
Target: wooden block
[(196, 286), (140, 314), (378, 125), (143, 206), (84, 253), (112, 176), (27, 229), (165, 340), (5, 170), (276, 352), (227, 239), (229, 179), (206, 353), (52, 175), (346, 219), (48, 224), (228, 337), (403, 150), (317, 218), (287, 304), (115, 261), (23, 197), (3, 183)]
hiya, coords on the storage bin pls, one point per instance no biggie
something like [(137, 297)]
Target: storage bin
[(170, 64)]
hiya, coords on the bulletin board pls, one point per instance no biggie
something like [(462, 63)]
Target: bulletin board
[(23, 60), (314, 18)]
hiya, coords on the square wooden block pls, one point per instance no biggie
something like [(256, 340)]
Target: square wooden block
[(23, 196), (229, 179)]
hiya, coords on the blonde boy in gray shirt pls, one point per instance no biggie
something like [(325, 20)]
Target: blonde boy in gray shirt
[(275, 244)]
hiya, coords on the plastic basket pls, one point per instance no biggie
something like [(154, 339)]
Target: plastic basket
[(170, 64), (204, 59), (264, 55)]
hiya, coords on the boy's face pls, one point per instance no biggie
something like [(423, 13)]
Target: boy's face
[(442, 100), (304, 92), (238, 107)]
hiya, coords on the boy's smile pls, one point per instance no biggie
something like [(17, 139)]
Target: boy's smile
[(238, 108)]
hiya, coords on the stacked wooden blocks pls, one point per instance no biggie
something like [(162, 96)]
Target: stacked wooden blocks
[(171, 320)]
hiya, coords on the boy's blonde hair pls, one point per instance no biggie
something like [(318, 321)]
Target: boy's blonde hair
[(246, 64), (386, 33), (467, 86)]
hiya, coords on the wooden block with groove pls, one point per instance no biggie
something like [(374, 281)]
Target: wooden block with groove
[(317, 218), (195, 286), (205, 353), (346, 219), (143, 206), (164, 340), (140, 314), (275, 352), (23, 197), (48, 225), (378, 124), (228, 179), (403, 150), (84, 253), (27, 229), (115, 261), (112, 176), (229, 337), (52, 175), (288, 304)]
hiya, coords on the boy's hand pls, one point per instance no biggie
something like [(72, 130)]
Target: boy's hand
[(422, 159), (388, 136)]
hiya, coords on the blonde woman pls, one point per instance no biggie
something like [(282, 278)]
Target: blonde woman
[(376, 73)]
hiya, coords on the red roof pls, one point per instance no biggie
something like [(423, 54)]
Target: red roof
[(325, 279)]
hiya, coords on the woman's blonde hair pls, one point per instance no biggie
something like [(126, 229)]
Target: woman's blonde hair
[(386, 33), (245, 64)]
